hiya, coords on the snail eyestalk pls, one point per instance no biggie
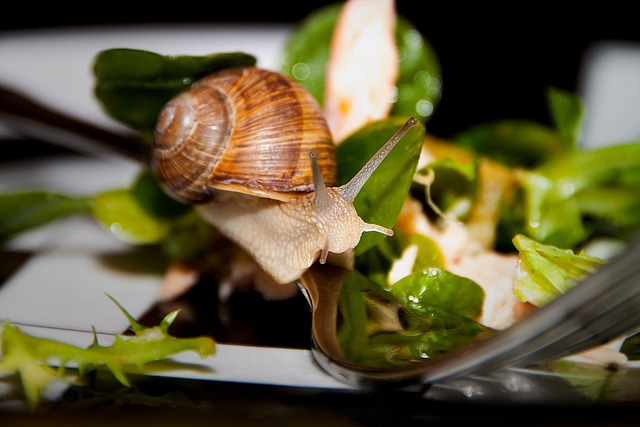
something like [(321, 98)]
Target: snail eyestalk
[(322, 199), (350, 190)]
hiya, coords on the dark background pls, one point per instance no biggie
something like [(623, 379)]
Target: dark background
[(496, 61)]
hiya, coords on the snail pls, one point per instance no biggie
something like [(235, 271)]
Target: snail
[(251, 150)]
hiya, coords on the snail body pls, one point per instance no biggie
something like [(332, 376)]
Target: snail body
[(285, 238), (250, 148)]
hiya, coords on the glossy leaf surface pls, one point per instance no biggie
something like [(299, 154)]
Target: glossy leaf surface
[(381, 328), (25, 210), (381, 198), (544, 272), (133, 85)]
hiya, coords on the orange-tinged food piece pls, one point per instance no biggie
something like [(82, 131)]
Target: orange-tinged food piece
[(363, 67)]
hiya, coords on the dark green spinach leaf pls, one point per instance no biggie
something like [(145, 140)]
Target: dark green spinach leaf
[(382, 197), (381, 329), (25, 210), (133, 85)]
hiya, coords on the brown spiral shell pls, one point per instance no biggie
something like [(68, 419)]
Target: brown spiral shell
[(247, 130)]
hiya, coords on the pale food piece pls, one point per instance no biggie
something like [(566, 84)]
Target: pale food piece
[(495, 273), (240, 272), (465, 257), (363, 67), (177, 280)]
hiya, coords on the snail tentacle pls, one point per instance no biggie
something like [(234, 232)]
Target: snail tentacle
[(322, 199), (351, 189)]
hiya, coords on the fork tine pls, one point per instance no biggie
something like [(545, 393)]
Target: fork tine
[(611, 309), (613, 323), (605, 306)]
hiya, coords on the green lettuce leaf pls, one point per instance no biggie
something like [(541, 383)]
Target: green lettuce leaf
[(583, 194), (25, 210), (140, 215), (377, 262), (306, 51), (133, 85), (515, 142), (440, 288), (544, 272), (567, 112), (382, 328), (32, 357)]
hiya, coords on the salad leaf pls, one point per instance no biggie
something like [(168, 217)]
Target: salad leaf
[(567, 112), (153, 199), (24, 210), (598, 383), (525, 143), (143, 214), (190, 238), (377, 262), (120, 214), (140, 215), (551, 214), (382, 328), (30, 356), (133, 85), (429, 253), (420, 79), (513, 142), (617, 205), (631, 347), (382, 197), (455, 185), (544, 272), (306, 51), (419, 82), (611, 165), (440, 288), (585, 193)]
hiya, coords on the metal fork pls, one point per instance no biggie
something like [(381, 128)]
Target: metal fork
[(603, 307)]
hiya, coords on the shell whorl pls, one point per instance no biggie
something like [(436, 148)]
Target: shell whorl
[(247, 130)]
